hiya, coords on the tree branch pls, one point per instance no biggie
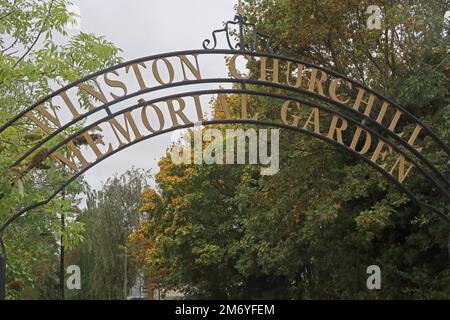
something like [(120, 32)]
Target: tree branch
[(11, 46), (5, 16), (37, 37), (14, 5)]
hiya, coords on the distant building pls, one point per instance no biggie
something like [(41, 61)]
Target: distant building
[(139, 290), (150, 291)]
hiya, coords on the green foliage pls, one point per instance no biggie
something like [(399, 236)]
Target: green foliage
[(111, 215), (32, 65), (312, 230)]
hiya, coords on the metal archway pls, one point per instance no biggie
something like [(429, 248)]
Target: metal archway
[(61, 144), (364, 123), (362, 120)]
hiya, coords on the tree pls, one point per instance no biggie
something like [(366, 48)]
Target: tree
[(32, 63), (112, 214), (312, 230)]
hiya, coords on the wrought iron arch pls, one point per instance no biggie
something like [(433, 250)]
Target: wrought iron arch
[(368, 120), (410, 116), (410, 194), (365, 120), (424, 166)]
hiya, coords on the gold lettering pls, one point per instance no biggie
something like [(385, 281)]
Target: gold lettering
[(289, 74), (115, 84), (222, 106), (138, 74), (333, 89), (125, 132), (69, 104), (315, 83), (157, 74), (314, 119), (198, 108), (45, 125), (194, 70), (233, 69), (356, 138), (380, 154), (94, 143), (359, 101), (69, 161), (414, 136), (96, 93), (244, 110), (174, 113), (334, 128), (265, 70), (401, 163), (284, 112), (382, 112), (394, 122), (146, 121)]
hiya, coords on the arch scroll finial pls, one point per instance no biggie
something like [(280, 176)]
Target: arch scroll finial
[(247, 34)]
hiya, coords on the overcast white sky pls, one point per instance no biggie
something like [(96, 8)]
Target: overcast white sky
[(141, 28)]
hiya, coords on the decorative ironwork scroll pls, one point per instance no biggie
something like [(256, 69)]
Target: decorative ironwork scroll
[(259, 41)]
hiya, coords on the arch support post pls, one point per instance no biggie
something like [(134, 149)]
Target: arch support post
[(2, 277)]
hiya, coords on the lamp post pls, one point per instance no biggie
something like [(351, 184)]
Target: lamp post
[(62, 270), (125, 276), (62, 256)]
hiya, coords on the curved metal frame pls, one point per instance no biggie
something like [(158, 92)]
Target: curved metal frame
[(256, 122), (243, 82), (307, 103), (411, 117)]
